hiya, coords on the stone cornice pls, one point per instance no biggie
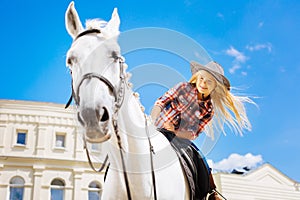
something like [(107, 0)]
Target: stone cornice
[(36, 112), (28, 161)]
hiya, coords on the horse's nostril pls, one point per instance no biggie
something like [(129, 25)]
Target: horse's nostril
[(105, 115)]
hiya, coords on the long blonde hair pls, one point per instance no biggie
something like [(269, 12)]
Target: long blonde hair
[(229, 109)]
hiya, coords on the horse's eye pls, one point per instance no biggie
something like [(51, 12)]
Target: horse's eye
[(71, 61), (114, 55)]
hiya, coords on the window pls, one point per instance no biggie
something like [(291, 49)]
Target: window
[(94, 191), (21, 137), (16, 188), (57, 189), (60, 140)]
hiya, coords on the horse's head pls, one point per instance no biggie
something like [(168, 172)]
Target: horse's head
[(94, 62)]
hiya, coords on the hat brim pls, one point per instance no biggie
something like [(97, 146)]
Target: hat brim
[(195, 67)]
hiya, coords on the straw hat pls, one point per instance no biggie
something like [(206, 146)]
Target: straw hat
[(214, 69)]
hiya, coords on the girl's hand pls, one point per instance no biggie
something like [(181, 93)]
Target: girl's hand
[(214, 196), (185, 134), (155, 113), (169, 126), (182, 134)]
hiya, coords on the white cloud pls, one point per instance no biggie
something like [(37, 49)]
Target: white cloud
[(258, 47), (260, 24), (282, 69), (234, 68), (236, 161), (220, 15), (238, 56), (244, 73)]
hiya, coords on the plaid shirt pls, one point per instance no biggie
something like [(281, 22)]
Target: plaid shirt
[(181, 106)]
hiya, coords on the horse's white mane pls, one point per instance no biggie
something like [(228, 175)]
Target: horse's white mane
[(95, 23)]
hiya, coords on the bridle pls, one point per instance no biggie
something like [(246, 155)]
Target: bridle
[(75, 95), (119, 98)]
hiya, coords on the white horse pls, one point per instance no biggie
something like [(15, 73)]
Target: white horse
[(108, 109)]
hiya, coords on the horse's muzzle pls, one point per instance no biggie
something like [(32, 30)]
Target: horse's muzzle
[(95, 124)]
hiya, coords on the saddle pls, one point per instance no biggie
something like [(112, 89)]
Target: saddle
[(194, 165)]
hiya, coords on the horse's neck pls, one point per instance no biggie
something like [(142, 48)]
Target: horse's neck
[(133, 134), (132, 123)]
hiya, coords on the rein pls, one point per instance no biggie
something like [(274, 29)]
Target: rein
[(119, 98), (90, 160), (151, 158)]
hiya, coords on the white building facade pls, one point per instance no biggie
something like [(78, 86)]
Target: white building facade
[(42, 154), (263, 183)]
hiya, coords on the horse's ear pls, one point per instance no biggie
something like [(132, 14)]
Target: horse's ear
[(73, 24), (112, 27)]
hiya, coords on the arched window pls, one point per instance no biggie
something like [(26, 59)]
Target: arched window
[(57, 189), (16, 188), (94, 191)]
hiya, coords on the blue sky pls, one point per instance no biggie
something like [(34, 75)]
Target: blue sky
[(257, 42)]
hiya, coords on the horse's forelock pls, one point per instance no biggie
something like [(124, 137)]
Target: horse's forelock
[(95, 24)]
